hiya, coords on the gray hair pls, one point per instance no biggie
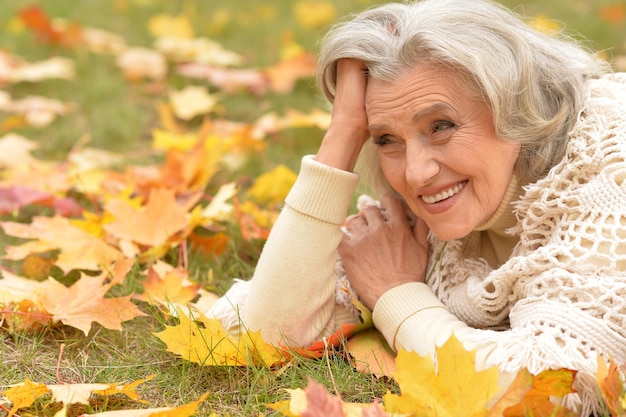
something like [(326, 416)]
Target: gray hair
[(534, 83)]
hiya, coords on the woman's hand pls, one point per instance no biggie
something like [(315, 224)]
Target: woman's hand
[(382, 251), (348, 129)]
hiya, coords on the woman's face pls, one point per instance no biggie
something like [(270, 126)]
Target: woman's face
[(437, 147)]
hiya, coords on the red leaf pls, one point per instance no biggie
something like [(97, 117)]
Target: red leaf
[(320, 403)]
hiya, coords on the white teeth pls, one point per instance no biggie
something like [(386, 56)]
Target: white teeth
[(431, 199)]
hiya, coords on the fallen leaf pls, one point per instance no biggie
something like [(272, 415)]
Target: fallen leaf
[(36, 20), (272, 187), (164, 25), (24, 395), (37, 111), (153, 224), (229, 80), (192, 101), (370, 353), (611, 386), (200, 50), (209, 344), (84, 303), (313, 14), (544, 24), (141, 63), (78, 249), (614, 14), (169, 288), (284, 74), (15, 150), (13, 198), (451, 388), (539, 398)]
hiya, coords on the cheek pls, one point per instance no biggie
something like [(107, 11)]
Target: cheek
[(393, 170)]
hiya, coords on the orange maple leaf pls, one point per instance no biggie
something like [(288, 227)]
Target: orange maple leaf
[(84, 302), (35, 19), (153, 224), (168, 287), (611, 386), (533, 394)]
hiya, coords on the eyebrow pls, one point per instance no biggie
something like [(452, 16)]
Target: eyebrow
[(428, 111)]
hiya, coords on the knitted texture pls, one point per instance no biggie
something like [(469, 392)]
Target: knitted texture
[(564, 288)]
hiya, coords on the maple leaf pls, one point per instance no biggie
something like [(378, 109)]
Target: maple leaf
[(200, 50), (185, 410), (206, 342), (315, 401), (453, 388), (272, 187), (37, 111), (35, 19), (611, 386), (15, 197), (15, 150), (167, 26), (192, 101), (84, 303), (153, 224), (284, 74), (25, 395), (313, 14), (139, 63), (534, 395), (79, 249), (227, 79), (371, 354), (168, 287)]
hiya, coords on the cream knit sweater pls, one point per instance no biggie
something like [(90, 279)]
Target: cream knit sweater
[(560, 297)]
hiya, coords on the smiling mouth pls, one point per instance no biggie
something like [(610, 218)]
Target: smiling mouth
[(444, 195)]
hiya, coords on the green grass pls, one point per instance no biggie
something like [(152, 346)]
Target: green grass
[(119, 116)]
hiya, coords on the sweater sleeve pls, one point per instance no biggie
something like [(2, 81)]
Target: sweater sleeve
[(291, 299), (411, 317)]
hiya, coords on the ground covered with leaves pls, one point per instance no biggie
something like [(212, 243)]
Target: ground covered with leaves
[(146, 147)]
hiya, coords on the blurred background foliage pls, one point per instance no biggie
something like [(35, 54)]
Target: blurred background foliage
[(120, 117)]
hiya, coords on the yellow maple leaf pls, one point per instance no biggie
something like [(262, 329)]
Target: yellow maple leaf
[(209, 344), (452, 388), (126, 389), (24, 395), (273, 186), (167, 26), (165, 140), (313, 14)]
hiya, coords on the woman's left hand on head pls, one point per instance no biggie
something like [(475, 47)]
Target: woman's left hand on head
[(382, 251)]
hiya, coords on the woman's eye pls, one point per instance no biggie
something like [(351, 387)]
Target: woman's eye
[(382, 140), (441, 125)]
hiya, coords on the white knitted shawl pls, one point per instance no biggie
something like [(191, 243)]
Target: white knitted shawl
[(562, 294)]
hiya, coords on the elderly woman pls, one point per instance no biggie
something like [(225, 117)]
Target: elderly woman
[(499, 156)]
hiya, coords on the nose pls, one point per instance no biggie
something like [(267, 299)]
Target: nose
[(421, 166)]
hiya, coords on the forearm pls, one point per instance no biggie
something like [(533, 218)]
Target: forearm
[(292, 298)]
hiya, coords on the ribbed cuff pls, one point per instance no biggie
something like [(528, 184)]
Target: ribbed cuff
[(322, 192), (401, 303)]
